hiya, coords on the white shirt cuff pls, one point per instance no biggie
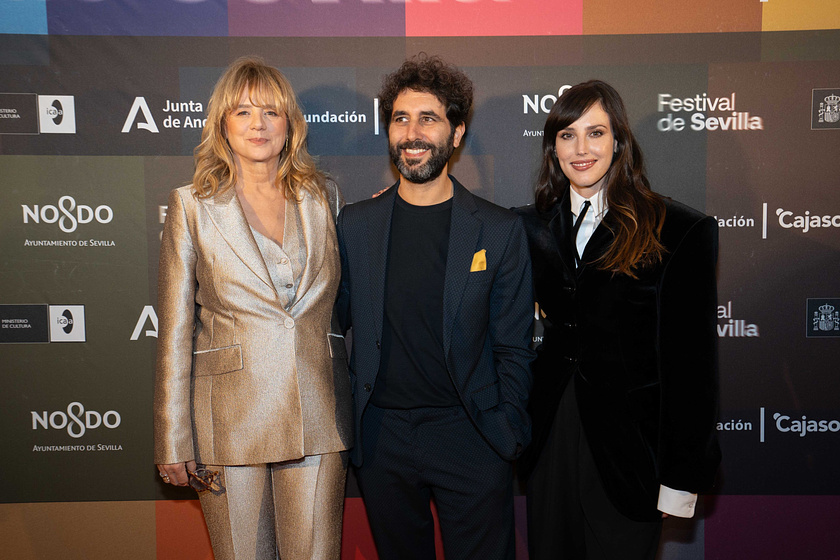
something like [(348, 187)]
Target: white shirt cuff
[(676, 502)]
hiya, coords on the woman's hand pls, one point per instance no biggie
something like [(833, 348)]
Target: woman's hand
[(176, 473)]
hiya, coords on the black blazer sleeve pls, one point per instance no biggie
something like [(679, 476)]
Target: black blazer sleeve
[(688, 451)]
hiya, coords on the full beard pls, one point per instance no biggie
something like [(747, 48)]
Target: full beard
[(438, 157)]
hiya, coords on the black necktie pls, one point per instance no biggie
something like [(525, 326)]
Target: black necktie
[(576, 227)]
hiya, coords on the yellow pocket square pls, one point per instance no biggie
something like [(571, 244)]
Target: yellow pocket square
[(479, 261)]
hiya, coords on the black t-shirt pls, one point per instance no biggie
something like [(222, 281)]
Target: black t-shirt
[(412, 370)]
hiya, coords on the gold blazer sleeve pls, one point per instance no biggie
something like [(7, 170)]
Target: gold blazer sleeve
[(173, 437)]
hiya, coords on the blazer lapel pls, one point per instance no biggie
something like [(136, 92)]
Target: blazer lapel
[(227, 215), (313, 219), (378, 239), (596, 246), (464, 233), (561, 228)]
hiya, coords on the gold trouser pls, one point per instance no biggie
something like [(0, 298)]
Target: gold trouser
[(290, 510)]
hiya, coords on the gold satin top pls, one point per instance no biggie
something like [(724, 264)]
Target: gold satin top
[(285, 262)]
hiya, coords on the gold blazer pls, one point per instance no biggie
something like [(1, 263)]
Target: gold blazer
[(239, 379)]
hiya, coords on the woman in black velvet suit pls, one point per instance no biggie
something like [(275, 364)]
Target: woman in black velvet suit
[(624, 397)]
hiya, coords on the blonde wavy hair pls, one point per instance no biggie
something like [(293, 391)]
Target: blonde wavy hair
[(215, 169)]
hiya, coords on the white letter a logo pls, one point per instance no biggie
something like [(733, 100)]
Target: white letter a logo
[(148, 314), (140, 104)]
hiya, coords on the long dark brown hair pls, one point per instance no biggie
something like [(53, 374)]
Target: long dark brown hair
[(636, 213)]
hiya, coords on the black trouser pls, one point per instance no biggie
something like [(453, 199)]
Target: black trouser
[(570, 516), (412, 456)]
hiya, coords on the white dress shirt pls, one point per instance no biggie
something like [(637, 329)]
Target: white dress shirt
[(591, 220)]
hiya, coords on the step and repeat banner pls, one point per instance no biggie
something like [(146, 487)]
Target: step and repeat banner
[(736, 104)]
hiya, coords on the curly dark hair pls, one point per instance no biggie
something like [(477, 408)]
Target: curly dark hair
[(429, 74)]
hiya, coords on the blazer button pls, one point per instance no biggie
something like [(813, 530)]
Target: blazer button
[(378, 345), (289, 323), (569, 325), (367, 387), (569, 289)]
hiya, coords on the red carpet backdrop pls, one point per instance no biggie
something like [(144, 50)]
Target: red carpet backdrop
[(735, 102)]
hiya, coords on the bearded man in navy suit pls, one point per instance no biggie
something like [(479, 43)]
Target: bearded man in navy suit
[(436, 285)]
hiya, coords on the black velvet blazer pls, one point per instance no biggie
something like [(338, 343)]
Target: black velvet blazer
[(643, 353)]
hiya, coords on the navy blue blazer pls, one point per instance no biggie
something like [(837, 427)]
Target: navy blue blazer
[(487, 314)]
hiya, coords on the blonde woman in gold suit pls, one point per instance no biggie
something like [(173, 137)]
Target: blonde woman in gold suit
[(251, 371)]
